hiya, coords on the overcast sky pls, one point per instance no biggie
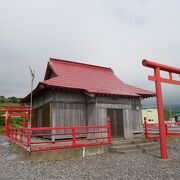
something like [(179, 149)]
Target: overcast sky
[(112, 33)]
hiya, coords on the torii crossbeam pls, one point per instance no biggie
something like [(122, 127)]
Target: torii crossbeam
[(158, 80)]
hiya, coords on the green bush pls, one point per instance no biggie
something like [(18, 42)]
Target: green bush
[(2, 122), (16, 122), (2, 130)]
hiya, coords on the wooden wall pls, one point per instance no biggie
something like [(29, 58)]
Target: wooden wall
[(53, 95), (136, 115), (76, 109), (68, 114), (131, 112), (46, 110)]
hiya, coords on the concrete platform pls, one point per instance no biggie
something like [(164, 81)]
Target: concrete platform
[(119, 145), (61, 154)]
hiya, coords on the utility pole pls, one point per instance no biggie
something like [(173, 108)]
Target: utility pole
[(170, 112), (31, 103)]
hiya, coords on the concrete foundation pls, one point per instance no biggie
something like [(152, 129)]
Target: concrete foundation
[(61, 154)]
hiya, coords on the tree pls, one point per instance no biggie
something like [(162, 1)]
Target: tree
[(2, 99), (12, 99)]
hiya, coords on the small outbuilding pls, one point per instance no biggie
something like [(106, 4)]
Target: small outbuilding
[(77, 94), (151, 114), (177, 117)]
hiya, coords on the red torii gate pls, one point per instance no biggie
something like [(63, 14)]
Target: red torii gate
[(22, 111), (158, 80)]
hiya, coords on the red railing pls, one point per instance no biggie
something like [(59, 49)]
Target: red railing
[(49, 138), (151, 131), (20, 136), (173, 129)]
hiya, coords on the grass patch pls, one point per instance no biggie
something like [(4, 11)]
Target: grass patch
[(15, 122), (2, 104), (2, 129)]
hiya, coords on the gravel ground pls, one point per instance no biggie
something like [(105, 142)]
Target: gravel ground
[(107, 166)]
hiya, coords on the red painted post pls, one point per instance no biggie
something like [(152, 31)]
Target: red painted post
[(160, 114), (16, 133), (109, 131), (29, 123), (9, 134), (24, 120), (20, 135), (35, 119), (12, 134), (145, 128), (7, 123), (166, 126), (74, 136)]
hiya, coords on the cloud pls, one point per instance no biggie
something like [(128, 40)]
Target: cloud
[(116, 34)]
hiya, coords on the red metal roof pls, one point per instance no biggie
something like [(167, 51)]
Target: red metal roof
[(89, 78)]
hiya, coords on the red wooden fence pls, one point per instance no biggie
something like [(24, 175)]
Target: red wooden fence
[(49, 138), (151, 131)]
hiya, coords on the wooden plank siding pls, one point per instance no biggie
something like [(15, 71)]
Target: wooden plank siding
[(77, 109), (53, 95), (136, 115), (68, 114), (132, 121), (46, 115)]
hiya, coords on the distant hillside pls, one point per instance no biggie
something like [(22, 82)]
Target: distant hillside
[(175, 107), (9, 101)]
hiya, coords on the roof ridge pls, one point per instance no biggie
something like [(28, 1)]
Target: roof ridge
[(78, 63)]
